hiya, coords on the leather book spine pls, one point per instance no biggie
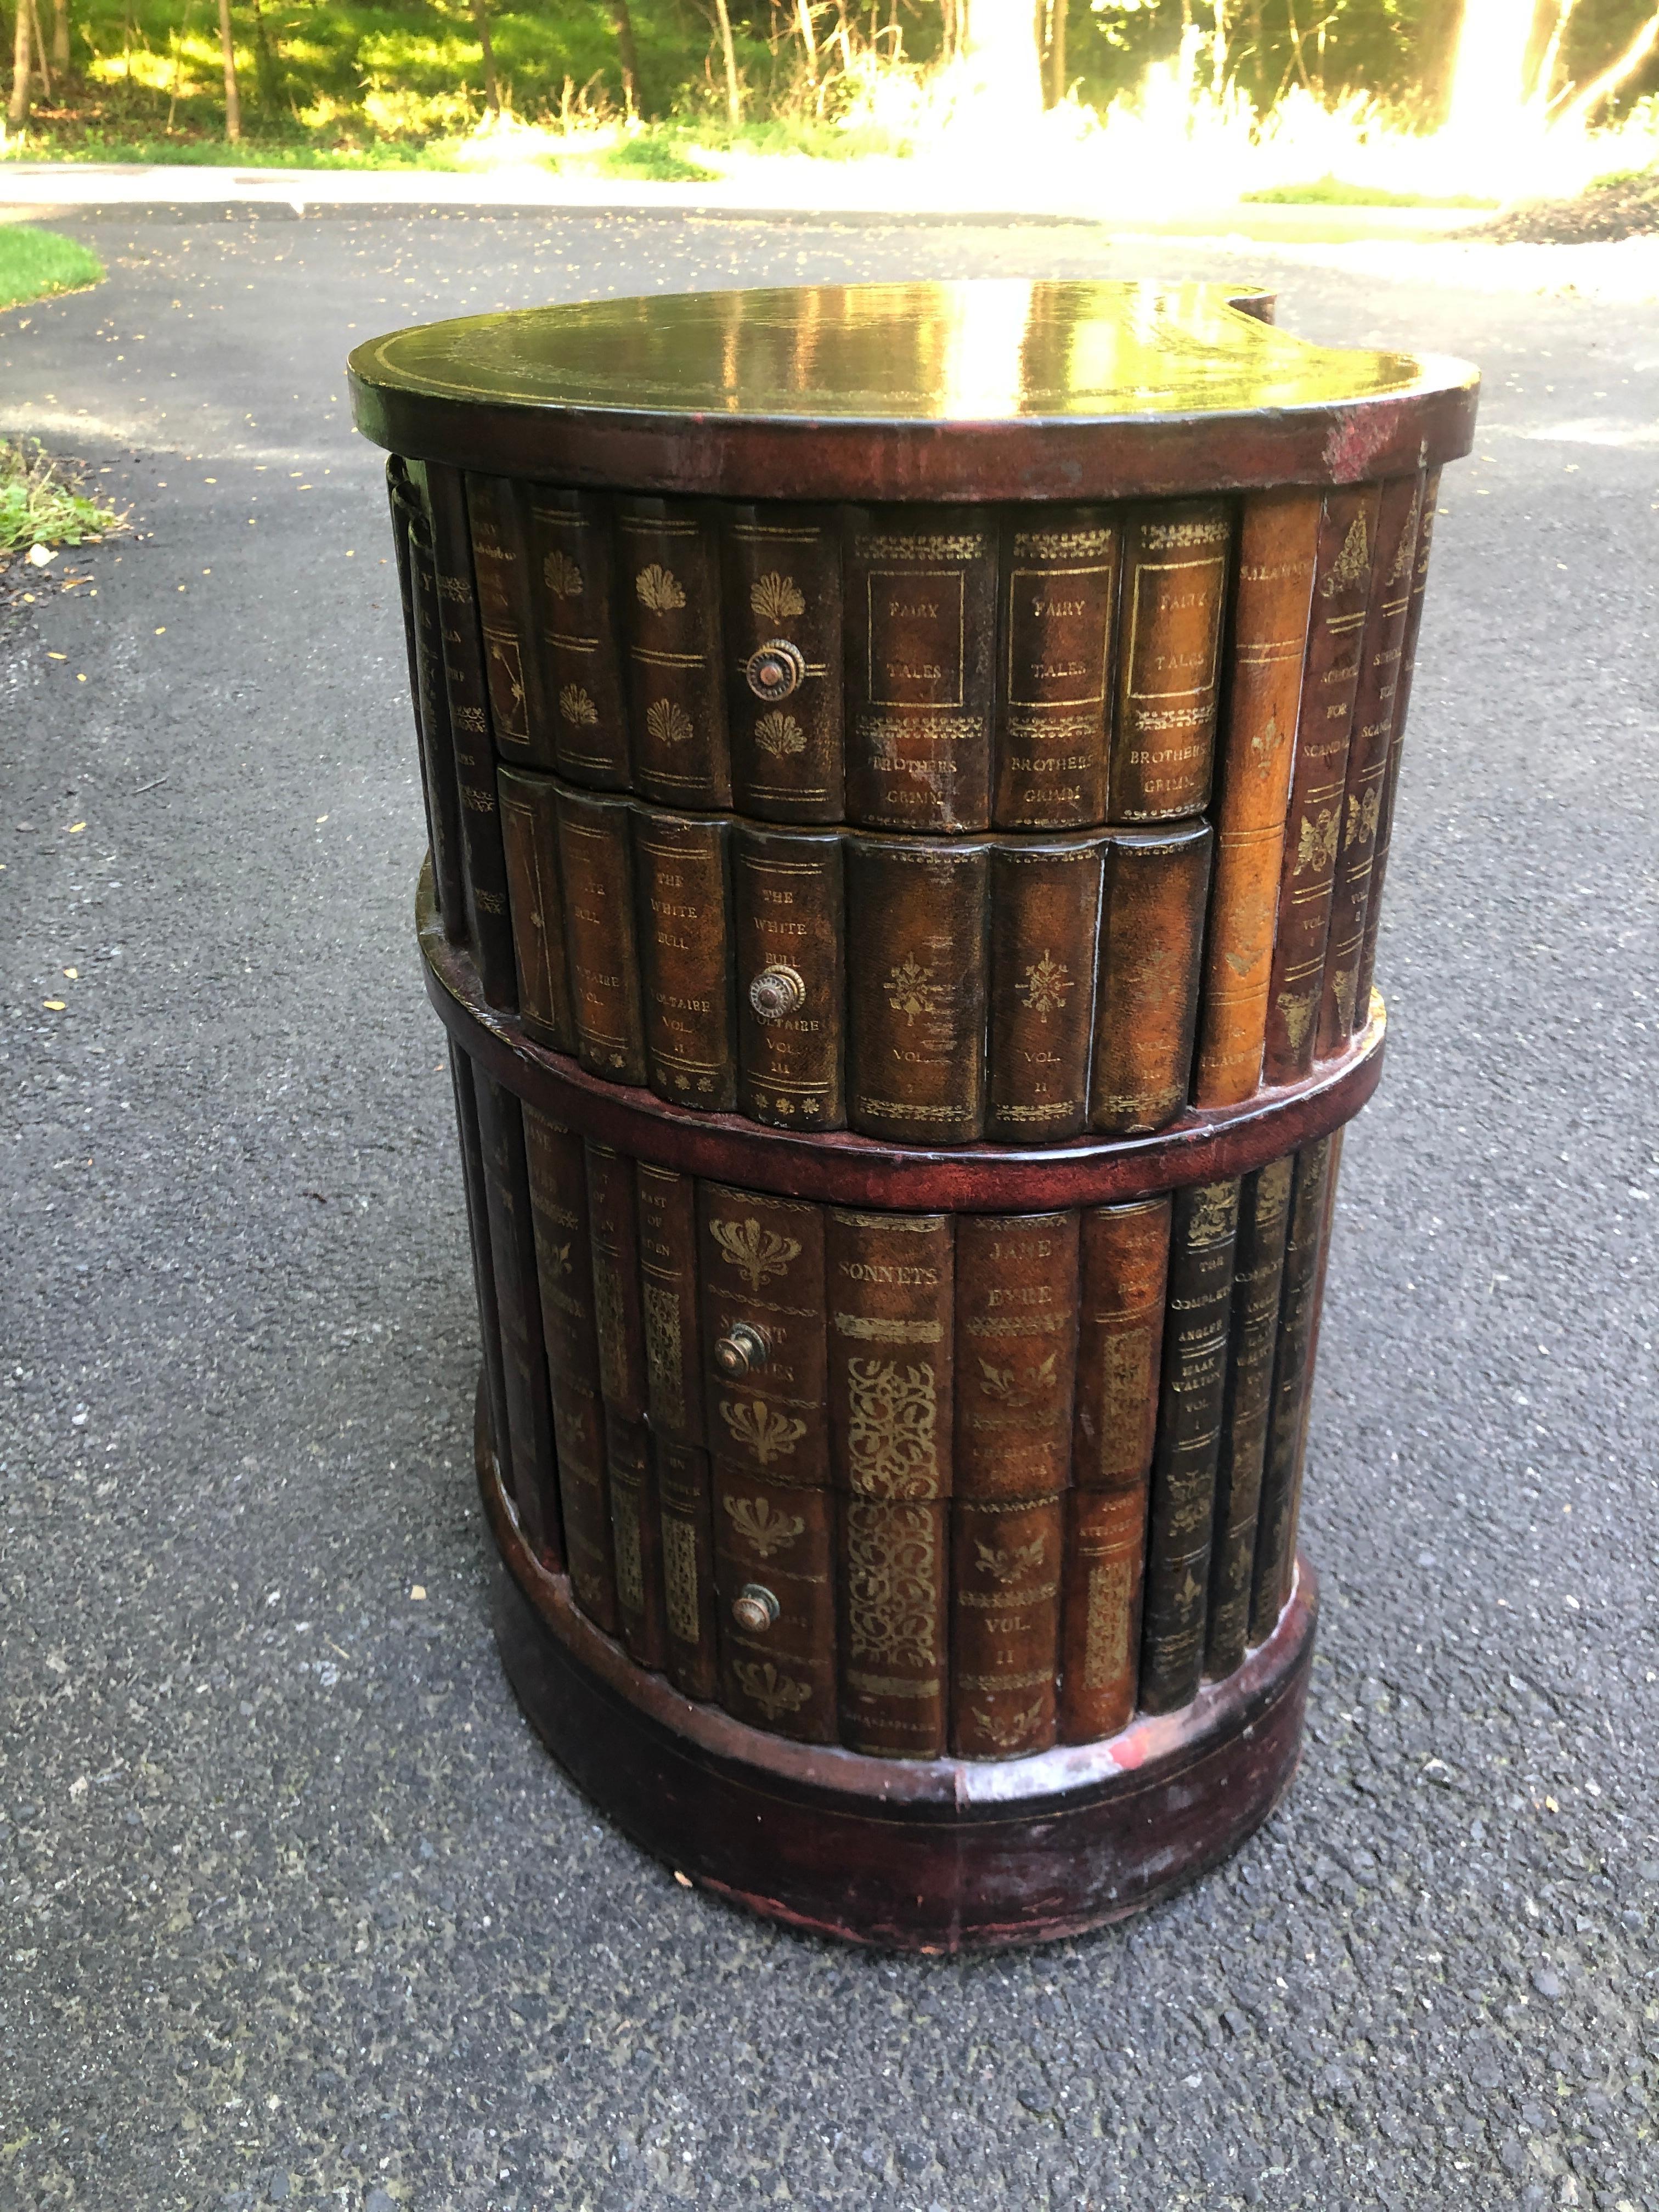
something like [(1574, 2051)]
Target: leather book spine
[(490, 925), (1168, 661), (1333, 1164), (573, 588), (1181, 1518), (1299, 1313), (519, 1310), (1100, 1630), (597, 876), (1396, 743), (670, 587), (1375, 695), (1044, 919), (1125, 1254), (483, 1266), (636, 1540), (437, 740), (1272, 602), (564, 1265), (684, 1495), (891, 1282), (684, 924), (782, 627), (1059, 611), (1005, 1626), (916, 989), (763, 1282), (613, 1228), (1016, 1364), (668, 1294), (1264, 1207), (499, 526), (405, 510), (1313, 828), (1151, 960), (893, 1626), (530, 839), (774, 1575), (920, 642), (791, 976)]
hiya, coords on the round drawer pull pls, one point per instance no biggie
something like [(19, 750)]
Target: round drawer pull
[(777, 991), (741, 1350), (755, 1608), (775, 669)]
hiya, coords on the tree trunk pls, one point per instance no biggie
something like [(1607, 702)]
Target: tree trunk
[(267, 70), (492, 94), (233, 97), (1624, 65), (17, 108), (43, 67), (1056, 51), (809, 43), (729, 55), (628, 56), (1001, 44), (1490, 85), (60, 37)]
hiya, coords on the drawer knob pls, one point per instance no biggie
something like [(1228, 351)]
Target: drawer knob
[(741, 1350), (755, 1608), (777, 991), (775, 669)]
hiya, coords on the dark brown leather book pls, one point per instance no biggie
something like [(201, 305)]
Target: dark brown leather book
[(1151, 955), (498, 518), (1059, 584), (530, 839), (1272, 602), (763, 1333), (1384, 640), (596, 874), (668, 554), (920, 632), (1396, 742), (1180, 1519), (1333, 1165), (668, 1292), (916, 988), (584, 1496), (891, 1293), (782, 624), (684, 1494), (1275, 1545), (1125, 1253), (490, 925), (1045, 912), (1017, 1324), (636, 1540), (1005, 1631), (1313, 828), (1100, 1640), (574, 586), (404, 506), (686, 957), (483, 1266), (613, 1228), (1168, 659), (437, 740), (791, 976), (519, 1312), (775, 1574), (893, 1626), (1258, 1275)]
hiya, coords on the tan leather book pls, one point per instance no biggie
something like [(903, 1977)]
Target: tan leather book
[(1100, 1651), (1168, 659), (1347, 540), (684, 1498), (916, 975), (668, 1292), (529, 1462), (775, 1574), (1150, 961), (443, 798), (573, 582), (1044, 917), (669, 585), (614, 1235), (596, 874), (1004, 1634), (530, 842), (636, 1540), (1017, 1327), (763, 1301), (1375, 697), (891, 1284), (1125, 1257), (1275, 1542), (498, 518), (892, 1628), (686, 957), (1272, 603), (483, 1266), (791, 976), (921, 642), (1059, 611), (783, 652)]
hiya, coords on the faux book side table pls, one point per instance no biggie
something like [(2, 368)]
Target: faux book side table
[(909, 772)]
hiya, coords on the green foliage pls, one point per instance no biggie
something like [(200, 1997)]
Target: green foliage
[(35, 264), (38, 508), (1331, 192)]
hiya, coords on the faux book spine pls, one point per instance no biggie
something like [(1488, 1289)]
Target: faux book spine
[(685, 954), (1058, 591), (790, 977), (916, 989), (574, 587), (530, 840), (782, 639), (669, 587), (498, 517), (1168, 661)]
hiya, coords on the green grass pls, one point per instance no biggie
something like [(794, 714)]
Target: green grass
[(35, 264), (39, 506), (1331, 192)]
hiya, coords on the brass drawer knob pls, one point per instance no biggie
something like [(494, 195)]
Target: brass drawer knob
[(741, 1350), (777, 991), (775, 669), (755, 1608)]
